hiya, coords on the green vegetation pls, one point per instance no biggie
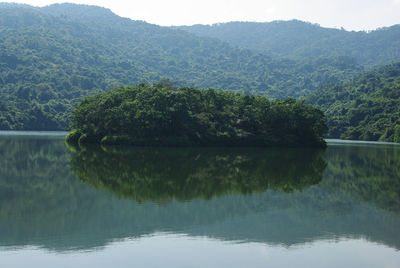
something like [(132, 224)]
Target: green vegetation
[(52, 57), (366, 108), (163, 115), (302, 40)]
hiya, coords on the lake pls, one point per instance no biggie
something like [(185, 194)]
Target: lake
[(197, 207)]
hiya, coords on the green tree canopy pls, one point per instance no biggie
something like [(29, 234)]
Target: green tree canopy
[(162, 115)]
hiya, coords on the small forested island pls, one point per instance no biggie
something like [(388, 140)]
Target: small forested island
[(162, 115)]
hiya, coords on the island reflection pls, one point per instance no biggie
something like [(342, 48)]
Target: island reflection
[(162, 174)]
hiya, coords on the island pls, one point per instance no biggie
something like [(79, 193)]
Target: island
[(163, 115)]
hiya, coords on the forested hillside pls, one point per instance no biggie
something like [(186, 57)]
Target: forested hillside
[(366, 108), (301, 40), (52, 57)]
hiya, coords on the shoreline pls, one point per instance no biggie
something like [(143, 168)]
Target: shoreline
[(330, 142)]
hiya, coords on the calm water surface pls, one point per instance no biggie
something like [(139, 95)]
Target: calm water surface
[(165, 207)]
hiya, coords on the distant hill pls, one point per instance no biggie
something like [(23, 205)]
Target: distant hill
[(298, 39), (52, 57), (366, 108)]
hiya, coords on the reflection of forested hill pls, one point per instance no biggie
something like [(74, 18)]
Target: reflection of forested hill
[(370, 173), (42, 203), (159, 174)]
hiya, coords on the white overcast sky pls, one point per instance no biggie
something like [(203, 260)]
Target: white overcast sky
[(350, 14)]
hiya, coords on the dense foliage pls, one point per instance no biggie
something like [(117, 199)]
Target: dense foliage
[(163, 115), (366, 108), (50, 58), (301, 40)]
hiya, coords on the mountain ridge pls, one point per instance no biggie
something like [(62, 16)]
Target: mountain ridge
[(299, 39)]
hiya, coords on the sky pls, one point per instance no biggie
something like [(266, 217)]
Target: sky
[(349, 14)]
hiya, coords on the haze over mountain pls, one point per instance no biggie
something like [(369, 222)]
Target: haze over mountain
[(298, 39), (350, 14)]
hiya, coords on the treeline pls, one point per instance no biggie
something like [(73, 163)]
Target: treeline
[(162, 115), (366, 108)]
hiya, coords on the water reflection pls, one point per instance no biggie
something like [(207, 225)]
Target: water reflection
[(370, 173), (160, 174), (285, 197)]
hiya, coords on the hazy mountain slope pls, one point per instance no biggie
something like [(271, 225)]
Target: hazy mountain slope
[(299, 39), (366, 108), (51, 57)]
